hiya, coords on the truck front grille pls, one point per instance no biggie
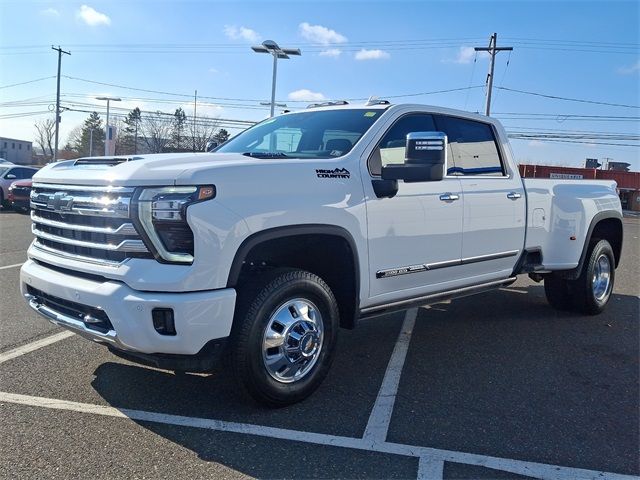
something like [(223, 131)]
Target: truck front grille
[(91, 224)]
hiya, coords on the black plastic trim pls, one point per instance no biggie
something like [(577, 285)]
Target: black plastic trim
[(204, 361)]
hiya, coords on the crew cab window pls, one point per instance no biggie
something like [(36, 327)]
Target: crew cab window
[(391, 148), (472, 147)]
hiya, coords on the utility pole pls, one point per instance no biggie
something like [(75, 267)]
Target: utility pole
[(195, 109), (60, 52), (492, 49)]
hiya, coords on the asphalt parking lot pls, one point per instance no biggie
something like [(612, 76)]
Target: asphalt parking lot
[(492, 386)]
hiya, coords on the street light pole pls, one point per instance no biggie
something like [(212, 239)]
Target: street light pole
[(107, 130), (272, 48)]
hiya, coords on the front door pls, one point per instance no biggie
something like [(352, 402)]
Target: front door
[(415, 238)]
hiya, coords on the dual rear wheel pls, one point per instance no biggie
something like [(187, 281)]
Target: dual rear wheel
[(591, 291)]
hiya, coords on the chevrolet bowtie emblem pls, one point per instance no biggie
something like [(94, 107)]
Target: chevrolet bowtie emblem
[(60, 202)]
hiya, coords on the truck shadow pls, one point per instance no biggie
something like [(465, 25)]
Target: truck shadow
[(450, 340)]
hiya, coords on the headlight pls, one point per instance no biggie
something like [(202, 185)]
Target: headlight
[(162, 216)]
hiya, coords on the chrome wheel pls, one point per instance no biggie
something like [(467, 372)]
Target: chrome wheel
[(601, 281), (292, 340)]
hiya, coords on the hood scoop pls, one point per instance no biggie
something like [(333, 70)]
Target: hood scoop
[(109, 161)]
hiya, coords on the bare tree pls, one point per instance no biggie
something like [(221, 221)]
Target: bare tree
[(45, 131), (156, 131), (203, 132)]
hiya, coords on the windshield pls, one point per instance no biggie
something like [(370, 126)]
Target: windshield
[(317, 134)]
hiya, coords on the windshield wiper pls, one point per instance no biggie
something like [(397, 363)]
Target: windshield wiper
[(265, 154)]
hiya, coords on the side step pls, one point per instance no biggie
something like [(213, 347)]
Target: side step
[(376, 310)]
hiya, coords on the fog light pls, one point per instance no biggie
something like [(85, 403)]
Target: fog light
[(163, 321)]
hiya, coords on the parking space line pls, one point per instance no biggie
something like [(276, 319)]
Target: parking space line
[(431, 455), (378, 424), (30, 347), (430, 469), (11, 266)]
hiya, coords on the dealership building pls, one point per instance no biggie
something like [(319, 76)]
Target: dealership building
[(628, 182)]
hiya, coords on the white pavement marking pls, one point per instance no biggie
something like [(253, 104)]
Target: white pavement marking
[(30, 347), (11, 266), (378, 424), (430, 469), (532, 469)]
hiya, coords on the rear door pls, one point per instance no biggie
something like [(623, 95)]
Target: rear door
[(494, 201)]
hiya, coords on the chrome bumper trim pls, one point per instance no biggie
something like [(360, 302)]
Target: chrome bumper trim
[(72, 324)]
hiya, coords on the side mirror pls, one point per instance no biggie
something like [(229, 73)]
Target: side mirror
[(425, 159), (10, 176)]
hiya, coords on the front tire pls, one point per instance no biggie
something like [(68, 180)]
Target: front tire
[(284, 336)]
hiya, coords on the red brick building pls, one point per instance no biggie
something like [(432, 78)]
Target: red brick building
[(628, 182)]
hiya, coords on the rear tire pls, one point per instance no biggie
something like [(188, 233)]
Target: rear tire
[(283, 337), (592, 289)]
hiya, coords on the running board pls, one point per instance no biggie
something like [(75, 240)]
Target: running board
[(433, 298)]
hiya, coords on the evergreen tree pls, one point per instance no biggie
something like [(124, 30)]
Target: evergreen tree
[(82, 142), (222, 136), (130, 133), (178, 127)]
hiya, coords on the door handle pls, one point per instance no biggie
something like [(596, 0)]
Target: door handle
[(513, 195), (449, 197)]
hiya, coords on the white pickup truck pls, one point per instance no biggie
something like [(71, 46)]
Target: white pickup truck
[(304, 223)]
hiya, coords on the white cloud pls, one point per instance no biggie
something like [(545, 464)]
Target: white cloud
[(321, 35), (365, 54), (50, 12), (630, 69), (536, 144), (465, 55), (330, 52), (241, 33), (305, 95), (92, 17), (213, 70)]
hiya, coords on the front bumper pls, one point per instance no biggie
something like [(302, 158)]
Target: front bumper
[(200, 317)]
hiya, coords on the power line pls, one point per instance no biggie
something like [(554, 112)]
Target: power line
[(27, 82), (579, 100)]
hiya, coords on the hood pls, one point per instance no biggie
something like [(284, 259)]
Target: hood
[(157, 169)]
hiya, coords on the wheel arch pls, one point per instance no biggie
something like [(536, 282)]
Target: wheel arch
[(604, 226), (343, 278)]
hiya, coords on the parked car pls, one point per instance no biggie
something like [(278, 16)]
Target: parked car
[(11, 173), (18, 195), (4, 161), (300, 225)]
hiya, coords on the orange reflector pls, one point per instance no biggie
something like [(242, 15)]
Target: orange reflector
[(206, 192)]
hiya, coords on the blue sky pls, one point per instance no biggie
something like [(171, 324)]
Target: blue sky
[(580, 50)]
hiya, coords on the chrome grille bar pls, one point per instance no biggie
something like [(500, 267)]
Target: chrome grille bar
[(85, 223), (123, 246), (124, 229)]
